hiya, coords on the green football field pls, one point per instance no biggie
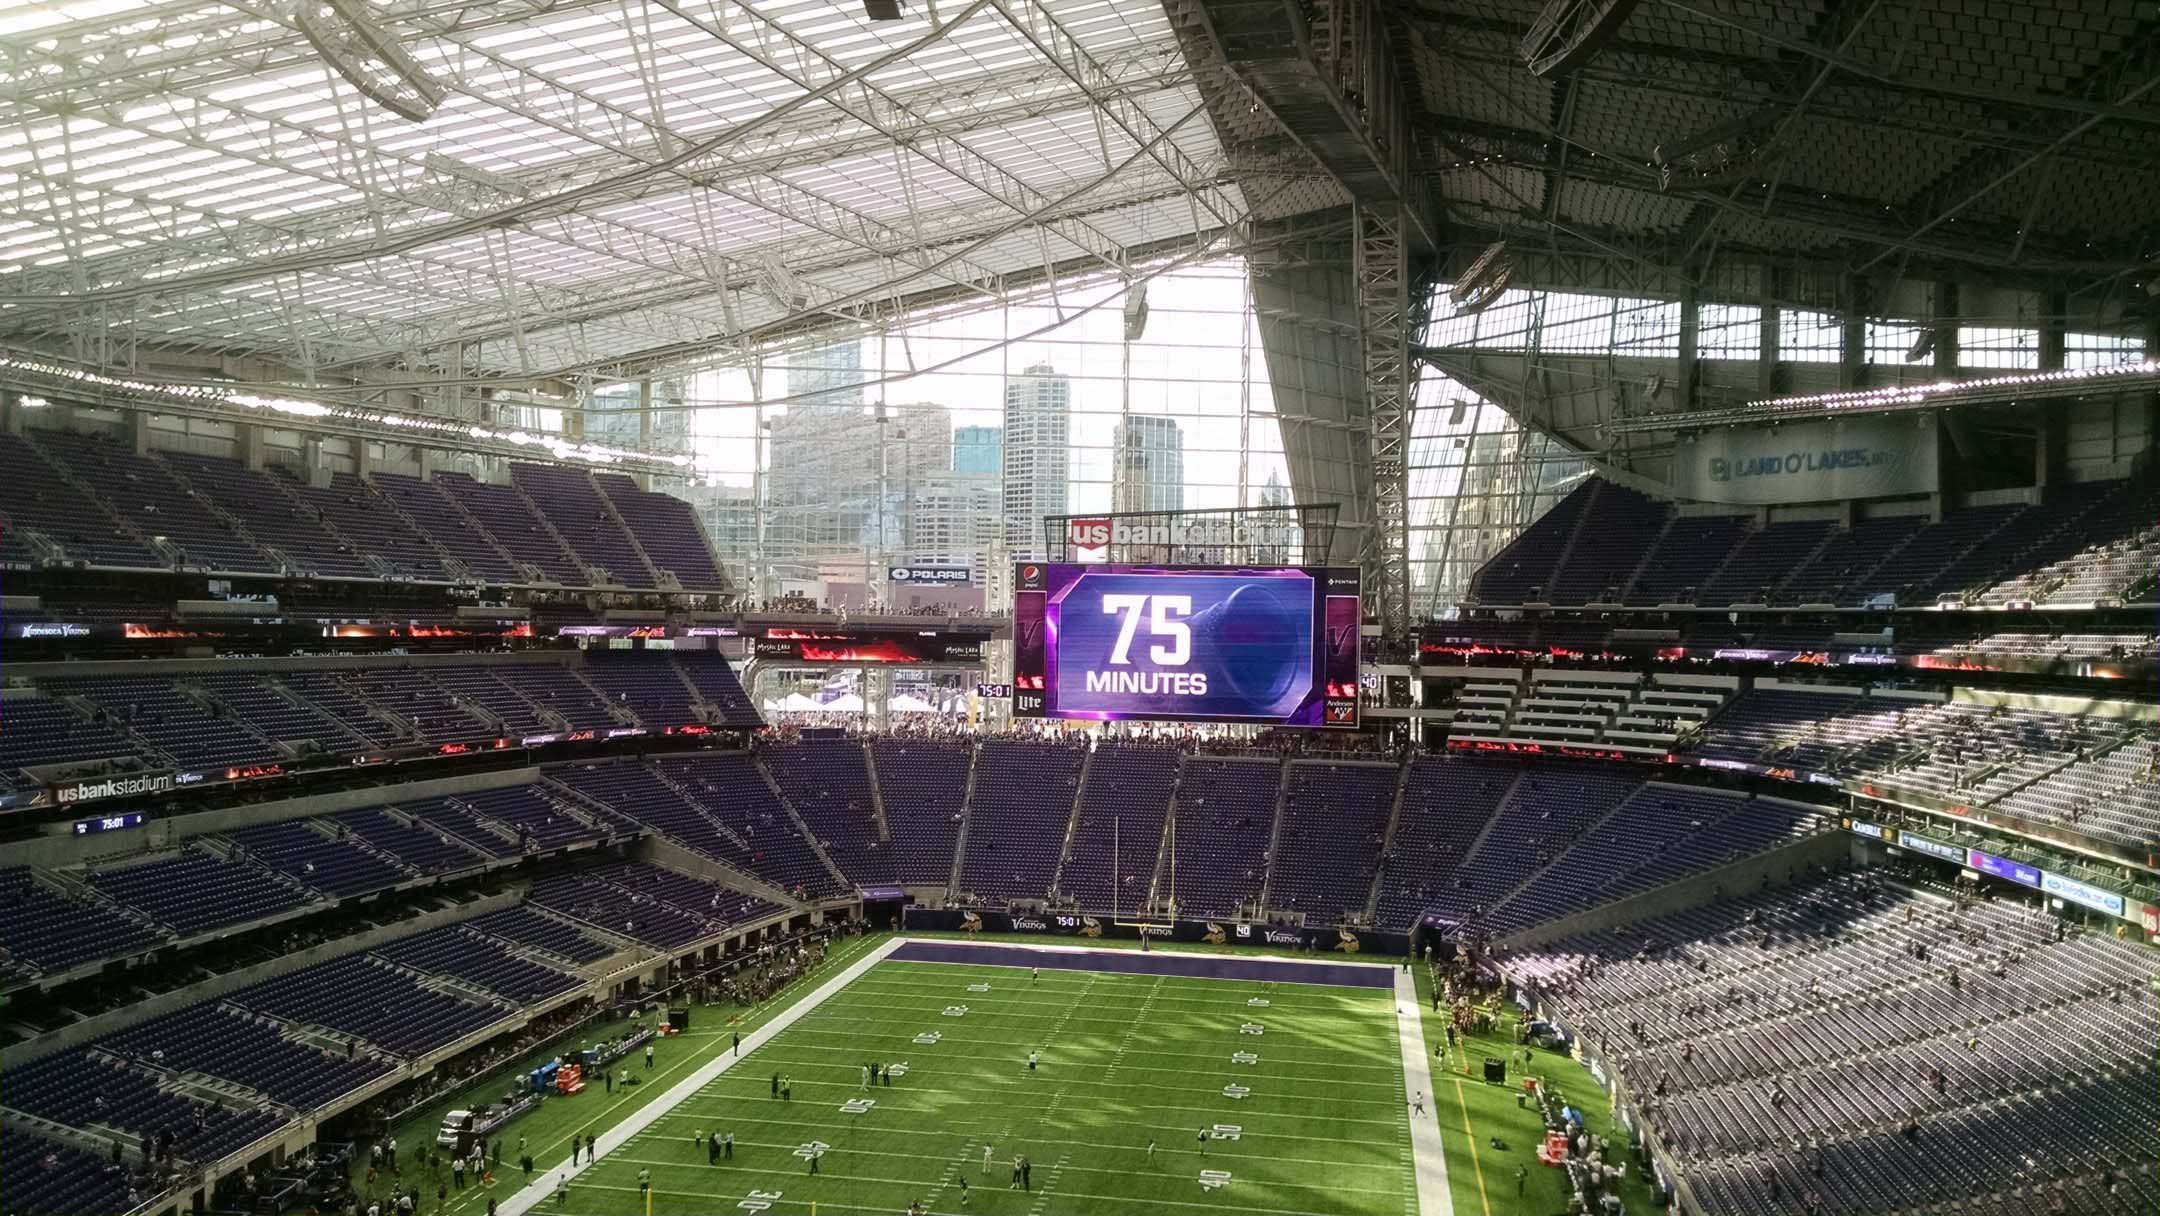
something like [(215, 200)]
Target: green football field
[(1315, 1123)]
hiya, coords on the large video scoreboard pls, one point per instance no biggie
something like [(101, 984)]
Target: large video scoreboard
[(1272, 644)]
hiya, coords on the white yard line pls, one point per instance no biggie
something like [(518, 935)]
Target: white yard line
[(528, 1198), (1433, 1196)]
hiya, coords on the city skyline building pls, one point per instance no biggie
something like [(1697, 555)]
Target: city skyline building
[(614, 418), (979, 449), (1147, 464), (1037, 463)]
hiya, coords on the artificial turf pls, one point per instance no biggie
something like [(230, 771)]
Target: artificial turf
[(1482, 1175), (1124, 1060)]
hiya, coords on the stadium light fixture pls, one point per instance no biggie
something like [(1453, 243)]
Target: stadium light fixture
[(369, 58), (2030, 386)]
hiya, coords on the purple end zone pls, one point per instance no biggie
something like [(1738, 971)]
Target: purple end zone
[(1132, 962)]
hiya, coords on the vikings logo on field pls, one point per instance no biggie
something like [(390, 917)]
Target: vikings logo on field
[(1090, 927), (1347, 942), (1215, 935), (970, 923)]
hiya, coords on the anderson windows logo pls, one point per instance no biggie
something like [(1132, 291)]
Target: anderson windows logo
[(1791, 464), (112, 787)]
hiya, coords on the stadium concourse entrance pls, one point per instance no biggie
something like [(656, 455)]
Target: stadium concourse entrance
[(1079, 925), (882, 907)]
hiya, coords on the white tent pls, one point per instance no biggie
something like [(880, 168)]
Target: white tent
[(907, 703), (795, 703), (847, 704)]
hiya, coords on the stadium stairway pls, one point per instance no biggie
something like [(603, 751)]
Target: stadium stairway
[(1274, 842), (817, 845), (967, 819), (1072, 822), (1387, 844), (877, 794)]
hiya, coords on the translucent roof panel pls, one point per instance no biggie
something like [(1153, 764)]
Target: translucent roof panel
[(598, 179)]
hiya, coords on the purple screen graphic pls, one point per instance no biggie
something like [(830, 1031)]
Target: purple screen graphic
[(1275, 644)]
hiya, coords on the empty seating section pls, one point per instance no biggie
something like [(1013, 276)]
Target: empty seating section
[(432, 509), (714, 678), (629, 912), (570, 502), (45, 932), (156, 711), (481, 689), (413, 696), (921, 785), (2086, 542), (709, 901), (329, 693), (256, 702), (332, 866), (1848, 558), (197, 891), (360, 996), (1653, 819), (525, 927), (1335, 817), (1225, 818), (827, 781), (48, 1176), (730, 787), (1761, 825), (454, 951), (509, 519), (1689, 551), (1607, 545), (648, 685), (77, 1089), (1022, 804), (1119, 834), (141, 492), (1771, 724), (532, 814), (33, 495), (349, 507), (37, 731), (228, 1044), (257, 504), (1800, 1041), (1754, 569), (455, 822), (2115, 796), (667, 530), (427, 849), (1941, 557), (1524, 569), (1542, 816), (1447, 801), (559, 692)]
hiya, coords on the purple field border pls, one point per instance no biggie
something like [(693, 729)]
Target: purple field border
[(1132, 962)]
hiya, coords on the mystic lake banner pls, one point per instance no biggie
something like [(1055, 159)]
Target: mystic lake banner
[(1208, 932), (1819, 461)]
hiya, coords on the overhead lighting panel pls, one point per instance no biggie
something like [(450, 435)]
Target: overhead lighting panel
[(1569, 33), (1485, 280), (369, 58)]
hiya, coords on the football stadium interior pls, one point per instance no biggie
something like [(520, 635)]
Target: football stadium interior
[(1262, 607)]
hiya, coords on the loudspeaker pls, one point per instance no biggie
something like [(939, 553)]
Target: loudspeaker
[(678, 1020), (1495, 1071)]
